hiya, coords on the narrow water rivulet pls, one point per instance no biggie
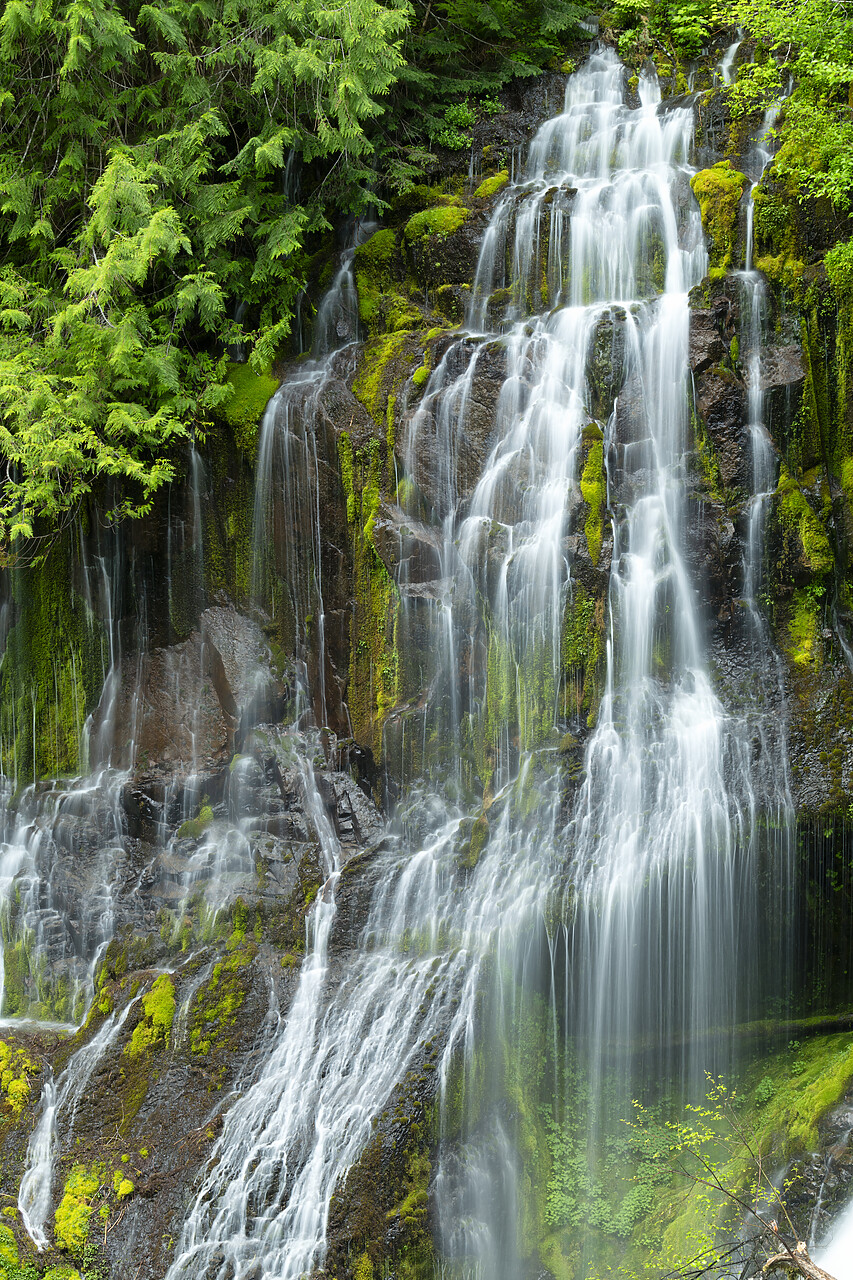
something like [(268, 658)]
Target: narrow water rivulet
[(608, 928)]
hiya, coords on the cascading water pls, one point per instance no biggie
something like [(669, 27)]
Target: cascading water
[(59, 1099), (647, 888), (291, 481)]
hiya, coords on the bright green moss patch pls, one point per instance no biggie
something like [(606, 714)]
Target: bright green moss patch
[(244, 409), (803, 624), (8, 1247), (153, 1030), (380, 375), (194, 828), (15, 1071), (218, 1003), (71, 1228), (594, 489), (796, 515), (719, 192), (373, 272), (491, 186), (441, 220)]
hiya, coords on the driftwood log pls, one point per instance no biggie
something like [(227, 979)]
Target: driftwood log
[(796, 1261)]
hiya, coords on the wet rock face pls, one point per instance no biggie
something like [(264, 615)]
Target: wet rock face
[(446, 465), (720, 396), (216, 910), (180, 710), (820, 1184)]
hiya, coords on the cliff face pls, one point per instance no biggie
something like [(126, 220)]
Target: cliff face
[(250, 673)]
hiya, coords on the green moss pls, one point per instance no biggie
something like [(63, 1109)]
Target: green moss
[(439, 221), (803, 628), (491, 186), (16, 1068), (477, 842), (194, 828), (421, 374), (8, 1247), (378, 375), (243, 410), (154, 1028), (797, 516), (217, 1004), (594, 490), (374, 660), (373, 263), (71, 1229), (52, 671), (363, 1268), (719, 192)]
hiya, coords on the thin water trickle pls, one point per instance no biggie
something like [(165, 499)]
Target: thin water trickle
[(60, 1099)]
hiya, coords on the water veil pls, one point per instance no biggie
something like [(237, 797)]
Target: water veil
[(560, 938)]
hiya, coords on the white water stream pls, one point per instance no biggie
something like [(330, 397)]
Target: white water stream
[(656, 864)]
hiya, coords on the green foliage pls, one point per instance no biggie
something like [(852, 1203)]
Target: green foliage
[(681, 26), (814, 38), (458, 118), (839, 270), (142, 198)]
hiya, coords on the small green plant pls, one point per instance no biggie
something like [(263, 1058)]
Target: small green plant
[(458, 118)]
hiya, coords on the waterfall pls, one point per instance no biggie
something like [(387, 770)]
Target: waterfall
[(619, 918)]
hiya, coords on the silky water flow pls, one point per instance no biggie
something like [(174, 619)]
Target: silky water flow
[(614, 928)]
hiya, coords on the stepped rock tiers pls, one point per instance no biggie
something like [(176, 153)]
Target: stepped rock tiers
[(449, 781)]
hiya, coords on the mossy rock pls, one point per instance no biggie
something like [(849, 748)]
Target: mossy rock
[(71, 1229), (719, 191), (154, 1028), (491, 186), (251, 393), (440, 220), (383, 301)]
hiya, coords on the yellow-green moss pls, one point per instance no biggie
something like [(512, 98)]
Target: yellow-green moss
[(796, 515), (16, 1068), (594, 489), (154, 1028), (491, 186), (53, 666), (363, 1268), (123, 1187), (803, 627), (376, 376), (374, 660), (71, 1229), (372, 264), (441, 220), (8, 1247), (719, 192), (216, 1007), (194, 828), (243, 410)]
